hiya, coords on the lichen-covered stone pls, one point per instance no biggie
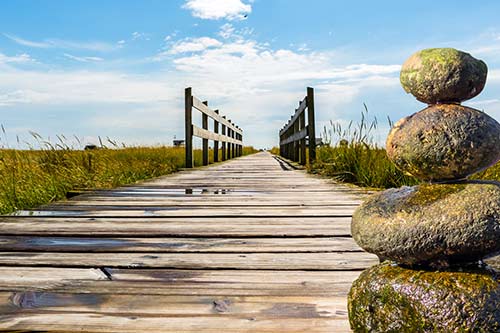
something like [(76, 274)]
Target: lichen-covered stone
[(444, 142), (494, 262), (389, 298), (431, 224), (443, 75)]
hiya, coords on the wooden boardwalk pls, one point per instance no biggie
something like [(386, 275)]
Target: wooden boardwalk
[(248, 245)]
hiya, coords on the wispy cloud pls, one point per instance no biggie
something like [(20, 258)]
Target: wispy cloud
[(83, 59), (136, 35), (64, 44), (194, 45), (218, 9), (20, 58)]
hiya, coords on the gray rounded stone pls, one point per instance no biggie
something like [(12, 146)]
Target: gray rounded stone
[(431, 224), (443, 75), (444, 142), (389, 298)]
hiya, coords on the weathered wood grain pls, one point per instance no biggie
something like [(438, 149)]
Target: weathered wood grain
[(282, 261), (179, 244), (241, 246), (161, 226)]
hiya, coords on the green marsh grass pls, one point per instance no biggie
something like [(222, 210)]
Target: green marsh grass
[(33, 177), (350, 155)]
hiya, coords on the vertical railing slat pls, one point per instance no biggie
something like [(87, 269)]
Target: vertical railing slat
[(204, 125), (216, 143), (311, 131), (224, 144), (188, 140)]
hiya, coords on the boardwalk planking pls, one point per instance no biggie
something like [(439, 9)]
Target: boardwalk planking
[(248, 245)]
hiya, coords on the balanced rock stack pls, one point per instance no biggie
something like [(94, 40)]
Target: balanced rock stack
[(434, 235)]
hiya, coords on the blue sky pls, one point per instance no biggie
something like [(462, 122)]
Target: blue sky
[(118, 69)]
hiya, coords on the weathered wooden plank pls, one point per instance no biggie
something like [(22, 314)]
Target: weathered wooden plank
[(88, 322), (182, 282), (283, 261), (206, 134), (25, 276), (145, 204), (295, 137), (261, 307), (340, 211), (160, 226), (106, 244)]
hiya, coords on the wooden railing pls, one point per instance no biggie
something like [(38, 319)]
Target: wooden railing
[(296, 135), (231, 136)]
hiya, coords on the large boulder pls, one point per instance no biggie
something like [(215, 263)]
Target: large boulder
[(444, 142), (389, 298), (443, 75), (431, 224)]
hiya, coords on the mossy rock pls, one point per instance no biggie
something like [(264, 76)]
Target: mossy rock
[(389, 298), (431, 224), (494, 262), (444, 142), (443, 75)]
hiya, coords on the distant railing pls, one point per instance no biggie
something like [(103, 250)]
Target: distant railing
[(296, 135), (231, 137)]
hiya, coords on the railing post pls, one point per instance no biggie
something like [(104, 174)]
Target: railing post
[(224, 154), (229, 144), (241, 145), (310, 125), (231, 155), (216, 142), (204, 125), (188, 140), (302, 142), (296, 149), (234, 144)]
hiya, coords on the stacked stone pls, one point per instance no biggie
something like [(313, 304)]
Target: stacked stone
[(434, 235)]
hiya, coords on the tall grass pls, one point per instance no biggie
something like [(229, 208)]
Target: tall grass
[(351, 155), (33, 177)]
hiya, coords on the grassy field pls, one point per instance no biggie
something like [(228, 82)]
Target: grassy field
[(350, 155), (29, 178)]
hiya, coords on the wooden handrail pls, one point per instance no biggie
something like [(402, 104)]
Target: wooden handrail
[(231, 136), (295, 134)]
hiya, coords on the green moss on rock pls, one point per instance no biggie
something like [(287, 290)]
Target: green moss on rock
[(390, 298), (431, 224), (443, 75), (444, 142)]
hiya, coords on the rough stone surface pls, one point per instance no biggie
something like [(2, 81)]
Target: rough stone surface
[(443, 75), (444, 142), (494, 262), (431, 224), (389, 298)]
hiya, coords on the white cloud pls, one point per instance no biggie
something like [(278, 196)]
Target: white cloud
[(21, 58), (79, 87), (140, 36), (256, 86), (83, 59), (218, 9), (226, 31), (484, 102), (63, 44), (194, 45)]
